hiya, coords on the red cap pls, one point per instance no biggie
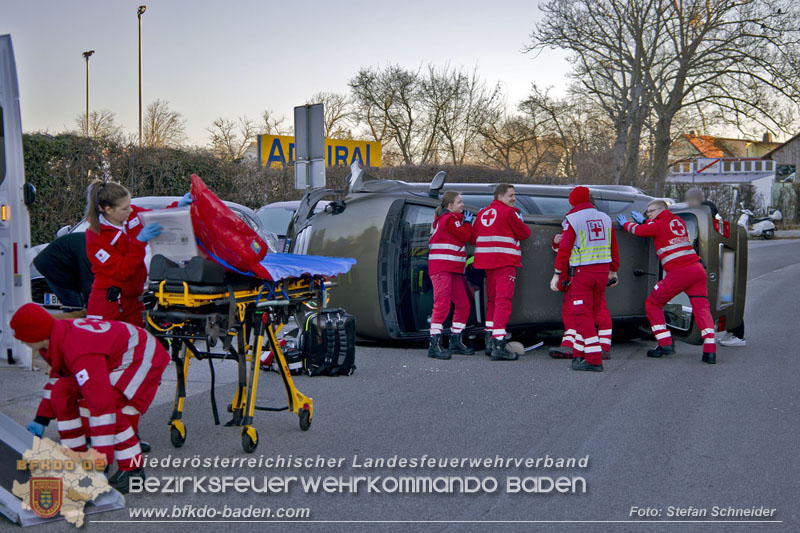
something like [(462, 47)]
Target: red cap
[(579, 195), (32, 323)]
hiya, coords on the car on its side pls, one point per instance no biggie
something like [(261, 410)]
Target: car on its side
[(40, 290), (385, 226)]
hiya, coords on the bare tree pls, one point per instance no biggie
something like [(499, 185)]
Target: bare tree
[(389, 102), (163, 127), (338, 114), (102, 125), (230, 139), (274, 125), (644, 61)]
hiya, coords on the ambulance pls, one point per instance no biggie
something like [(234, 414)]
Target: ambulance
[(15, 197)]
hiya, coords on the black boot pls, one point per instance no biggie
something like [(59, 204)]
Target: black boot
[(144, 445), (499, 351), (487, 338), (581, 365), (660, 351), (435, 348), (561, 352), (121, 479), (457, 345), (710, 358)]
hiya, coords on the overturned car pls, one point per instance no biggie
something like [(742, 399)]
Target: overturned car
[(385, 225)]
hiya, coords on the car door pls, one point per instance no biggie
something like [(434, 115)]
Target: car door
[(723, 249), (14, 223)]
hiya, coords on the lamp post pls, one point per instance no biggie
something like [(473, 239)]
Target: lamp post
[(86, 55), (139, 12)]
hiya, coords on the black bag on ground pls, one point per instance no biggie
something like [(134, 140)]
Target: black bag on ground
[(328, 343)]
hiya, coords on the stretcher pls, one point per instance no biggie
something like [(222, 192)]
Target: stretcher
[(241, 313)]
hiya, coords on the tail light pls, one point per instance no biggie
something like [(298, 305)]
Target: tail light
[(725, 231)]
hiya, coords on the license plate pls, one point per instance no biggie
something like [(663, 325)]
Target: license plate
[(50, 299)]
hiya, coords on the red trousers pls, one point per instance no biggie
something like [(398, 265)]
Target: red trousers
[(602, 320), (692, 280), (499, 289), (449, 287), (128, 309), (587, 296)]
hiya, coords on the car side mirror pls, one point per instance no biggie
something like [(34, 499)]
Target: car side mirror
[(63, 230), (28, 193)]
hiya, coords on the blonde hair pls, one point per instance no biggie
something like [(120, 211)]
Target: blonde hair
[(658, 203), (102, 194)]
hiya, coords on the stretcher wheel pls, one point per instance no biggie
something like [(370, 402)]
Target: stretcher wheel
[(175, 437), (248, 444), (305, 419)]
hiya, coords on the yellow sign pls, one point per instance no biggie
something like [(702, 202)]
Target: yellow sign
[(278, 150)]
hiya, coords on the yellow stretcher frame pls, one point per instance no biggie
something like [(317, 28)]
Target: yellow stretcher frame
[(265, 313)]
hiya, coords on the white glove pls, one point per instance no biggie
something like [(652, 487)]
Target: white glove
[(554, 283)]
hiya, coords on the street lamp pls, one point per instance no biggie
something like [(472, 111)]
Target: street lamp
[(139, 12), (86, 55)]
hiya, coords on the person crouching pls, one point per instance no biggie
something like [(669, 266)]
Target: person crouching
[(114, 366), (450, 232)]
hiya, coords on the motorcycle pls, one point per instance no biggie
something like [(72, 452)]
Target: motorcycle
[(761, 226)]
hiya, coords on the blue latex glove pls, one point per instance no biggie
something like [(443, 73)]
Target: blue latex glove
[(149, 231), (36, 428), (469, 217), (637, 217), (621, 220), (186, 200), (519, 215)]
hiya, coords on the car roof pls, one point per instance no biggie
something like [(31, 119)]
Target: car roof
[(289, 204)]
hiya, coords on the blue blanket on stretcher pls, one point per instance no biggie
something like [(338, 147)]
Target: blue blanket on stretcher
[(283, 266)]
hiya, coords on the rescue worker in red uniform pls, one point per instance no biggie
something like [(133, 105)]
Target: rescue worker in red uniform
[(114, 366), (684, 273), (450, 233), (115, 244), (602, 318), (588, 248), (497, 233)]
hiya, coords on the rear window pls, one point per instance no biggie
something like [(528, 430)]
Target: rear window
[(275, 219)]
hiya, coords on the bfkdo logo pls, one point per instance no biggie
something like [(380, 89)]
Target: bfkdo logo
[(46, 495)]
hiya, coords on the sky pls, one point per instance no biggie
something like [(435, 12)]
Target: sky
[(212, 59)]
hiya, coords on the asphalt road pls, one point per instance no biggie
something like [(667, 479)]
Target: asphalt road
[(658, 433)]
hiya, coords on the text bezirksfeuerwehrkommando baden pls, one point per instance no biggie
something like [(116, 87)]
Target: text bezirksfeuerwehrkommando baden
[(356, 461)]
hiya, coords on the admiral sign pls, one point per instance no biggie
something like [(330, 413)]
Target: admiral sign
[(278, 151)]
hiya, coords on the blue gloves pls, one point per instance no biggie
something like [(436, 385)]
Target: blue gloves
[(186, 200), (36, 428), (637, 217), (149, 231), (469, 217), (621, 220), (519, 215)]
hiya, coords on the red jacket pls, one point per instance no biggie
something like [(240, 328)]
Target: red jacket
[(497, 233), (670, 237), (117, 257), (130, 352), (449, 237), (568, 241)]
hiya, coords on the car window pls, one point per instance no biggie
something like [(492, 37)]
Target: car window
[(480, 201), (551, 205), (275, 219), (613, 206)]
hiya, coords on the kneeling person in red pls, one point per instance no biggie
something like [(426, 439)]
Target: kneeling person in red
[(588, 247), (114, 366), (684, 273)]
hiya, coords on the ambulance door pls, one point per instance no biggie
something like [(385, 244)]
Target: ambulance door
[(15, 279), (723, 250)]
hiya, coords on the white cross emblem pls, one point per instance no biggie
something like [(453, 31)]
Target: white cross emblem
[(677, 228), (488, 217), (92, 324)]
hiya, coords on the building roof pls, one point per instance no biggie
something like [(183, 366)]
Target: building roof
[(768, 155), (713, 147)]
